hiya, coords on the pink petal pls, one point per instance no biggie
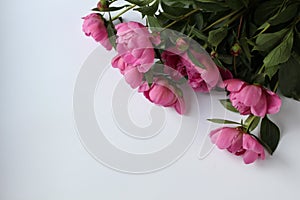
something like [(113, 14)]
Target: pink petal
[(180, 106), (260, 109), (249, 157), (274, 102), (144, 87), (236, 144), (234, 85), (225, 137), (133, 77), (162, 95), (249, 95), (250, 143)]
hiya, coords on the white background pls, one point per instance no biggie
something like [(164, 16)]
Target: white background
[(41, 156)]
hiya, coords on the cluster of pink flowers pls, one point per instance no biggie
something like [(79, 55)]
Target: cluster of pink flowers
[(136, 55), (247, 99)]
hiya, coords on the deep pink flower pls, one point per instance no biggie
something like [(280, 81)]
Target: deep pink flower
[(252, 99), (93, 25), (164, 94), (200, 79), (238, 142)]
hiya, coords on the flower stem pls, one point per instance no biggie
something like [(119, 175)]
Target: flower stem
[(249, 122), (181, 18), (276, 86), (220, 20), (124, 11), (234, 65), (261, 69)]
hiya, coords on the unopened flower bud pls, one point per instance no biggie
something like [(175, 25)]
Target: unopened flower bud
[(102, 4), (213, 54), (236, 49)]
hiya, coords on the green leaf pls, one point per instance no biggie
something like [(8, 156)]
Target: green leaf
[(265, 10), (199, 34), (212, 6), (149, 10), (109, 9), (289, 73), (227, 104), (153, 22), (111, 31), (281, 53), (285, 15), (245, 47), (149, 77), (199, 20), (173, 8), (194, 60), (215, 37), (140, 2), (269, 134), (222, 121), (252, 122), (235, 4), (266, 41), (270, 71)]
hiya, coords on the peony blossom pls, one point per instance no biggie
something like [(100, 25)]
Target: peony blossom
[(135, 52), (93, 25), (134, 45), (199, 79), (238, 142), (252, 99), (164, 94)]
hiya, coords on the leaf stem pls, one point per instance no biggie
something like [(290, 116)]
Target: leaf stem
[(234, 65), (251, 119), (261, 69), (181, 18), (124, 11), (220, 20), (276, 86)]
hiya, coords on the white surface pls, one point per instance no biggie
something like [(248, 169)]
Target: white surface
[(42, 50)]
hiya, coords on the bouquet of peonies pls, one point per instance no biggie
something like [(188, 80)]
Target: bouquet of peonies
[(249, 48)]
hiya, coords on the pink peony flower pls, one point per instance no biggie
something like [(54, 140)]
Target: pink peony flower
[(135, 52), (200, 79), (134, 45), (239, 143), (252, 99), (93, 25), (162, 93)]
